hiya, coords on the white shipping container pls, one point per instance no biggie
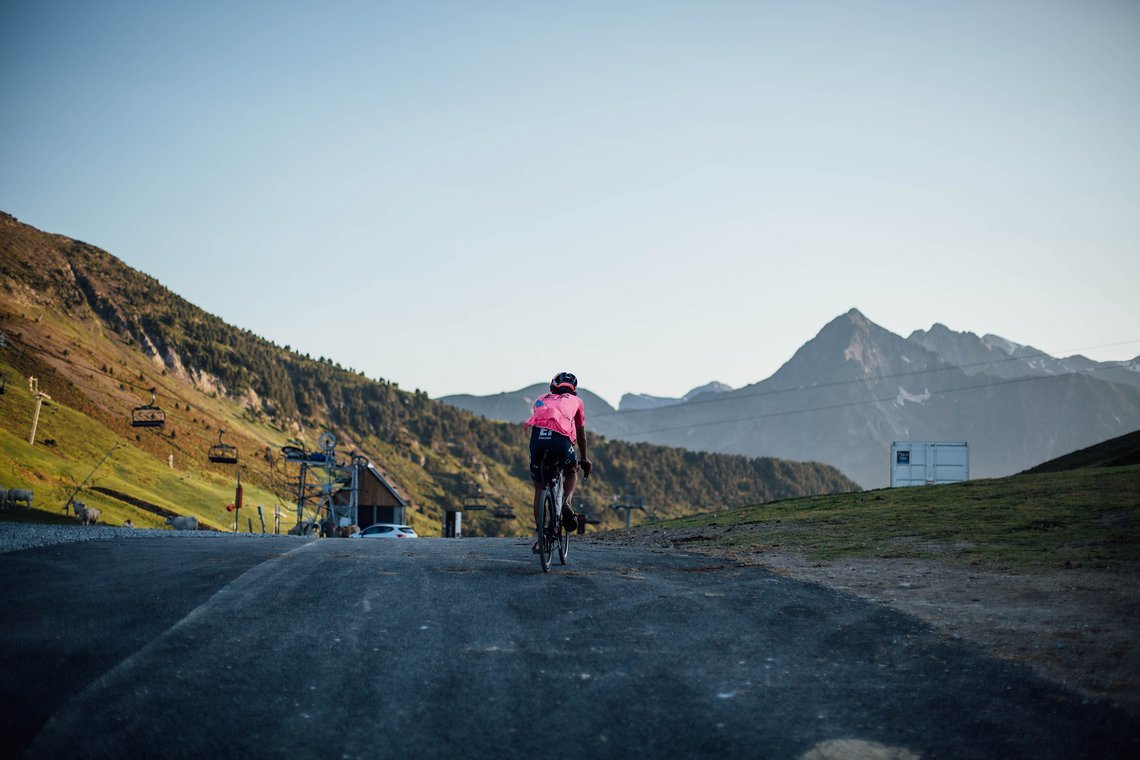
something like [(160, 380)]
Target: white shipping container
[(921, 463)]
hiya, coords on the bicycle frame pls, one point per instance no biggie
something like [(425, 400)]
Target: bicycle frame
[(548, 523)]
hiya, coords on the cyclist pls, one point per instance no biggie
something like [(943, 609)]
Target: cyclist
[(558, 422)]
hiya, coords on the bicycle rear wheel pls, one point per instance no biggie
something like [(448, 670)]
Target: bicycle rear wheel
[(545, 521), (563, 540)]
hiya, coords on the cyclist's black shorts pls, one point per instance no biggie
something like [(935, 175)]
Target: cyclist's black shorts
[(560, 452)]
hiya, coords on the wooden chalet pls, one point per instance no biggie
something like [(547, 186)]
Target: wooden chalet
[(377, 500)]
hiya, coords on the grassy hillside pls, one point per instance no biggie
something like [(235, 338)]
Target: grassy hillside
[(1117, 452), (1088, 517), (98, 335), (69, 445)]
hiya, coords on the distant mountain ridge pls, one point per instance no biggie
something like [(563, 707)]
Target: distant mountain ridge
[(635, 401), (853, 389), (856, 387), (516, 406), (998, 357)]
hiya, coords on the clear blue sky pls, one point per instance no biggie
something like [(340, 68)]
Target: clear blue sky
[(468, 197)]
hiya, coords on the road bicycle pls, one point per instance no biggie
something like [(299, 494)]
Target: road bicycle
[(552, 534)]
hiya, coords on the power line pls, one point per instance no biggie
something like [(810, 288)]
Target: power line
[(717, 398), (865, 402)]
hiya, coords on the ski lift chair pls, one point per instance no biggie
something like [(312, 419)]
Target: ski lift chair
[(148, 415), (474, 504), (223, 453), (294, 453)]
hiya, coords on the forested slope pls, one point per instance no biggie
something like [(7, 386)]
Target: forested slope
[(104, 333)]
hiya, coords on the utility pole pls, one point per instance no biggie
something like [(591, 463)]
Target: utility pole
[(34, 385), (628, 502)]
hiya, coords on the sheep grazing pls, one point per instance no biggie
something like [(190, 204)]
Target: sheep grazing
[(303, 528), (85, 514), (128, 524), (19, 494), (187, 522)]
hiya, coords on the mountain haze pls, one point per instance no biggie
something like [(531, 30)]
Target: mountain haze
[(98, 335), (516, 406)]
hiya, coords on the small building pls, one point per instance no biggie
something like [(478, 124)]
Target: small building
[(377, 500), (919, 463)]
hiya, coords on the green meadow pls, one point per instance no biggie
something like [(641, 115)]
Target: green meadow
[(1084, 517)]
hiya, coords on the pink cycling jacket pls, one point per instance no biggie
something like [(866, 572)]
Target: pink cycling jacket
[(560, 412)]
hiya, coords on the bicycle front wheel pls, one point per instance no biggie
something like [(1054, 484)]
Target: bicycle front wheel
[(545, 523)]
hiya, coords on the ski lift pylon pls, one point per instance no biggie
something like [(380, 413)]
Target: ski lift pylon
[(223, 453), (148, 415)]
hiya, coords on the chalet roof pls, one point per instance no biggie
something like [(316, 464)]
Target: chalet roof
[(384, 482)]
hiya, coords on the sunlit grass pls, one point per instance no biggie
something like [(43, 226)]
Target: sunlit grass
[(69, 445), (1089, 517)]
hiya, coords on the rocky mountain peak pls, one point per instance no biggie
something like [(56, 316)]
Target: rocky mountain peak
[(853, 347)]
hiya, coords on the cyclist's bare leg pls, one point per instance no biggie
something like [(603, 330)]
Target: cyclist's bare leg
[(537, 502), (569, 480)]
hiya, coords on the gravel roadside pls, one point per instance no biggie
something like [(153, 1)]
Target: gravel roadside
[(18, 536)]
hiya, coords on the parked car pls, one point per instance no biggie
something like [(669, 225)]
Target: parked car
[(386, 530)]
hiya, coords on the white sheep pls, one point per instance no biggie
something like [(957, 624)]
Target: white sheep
[(19, 494), (85, 514), (183, 522)]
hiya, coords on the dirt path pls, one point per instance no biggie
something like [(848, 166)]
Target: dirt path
[(1076, 626)]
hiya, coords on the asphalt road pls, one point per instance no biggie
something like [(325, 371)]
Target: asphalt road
[(424, 648)]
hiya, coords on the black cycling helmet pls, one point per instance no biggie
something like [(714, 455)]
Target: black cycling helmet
[(564, 382)]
